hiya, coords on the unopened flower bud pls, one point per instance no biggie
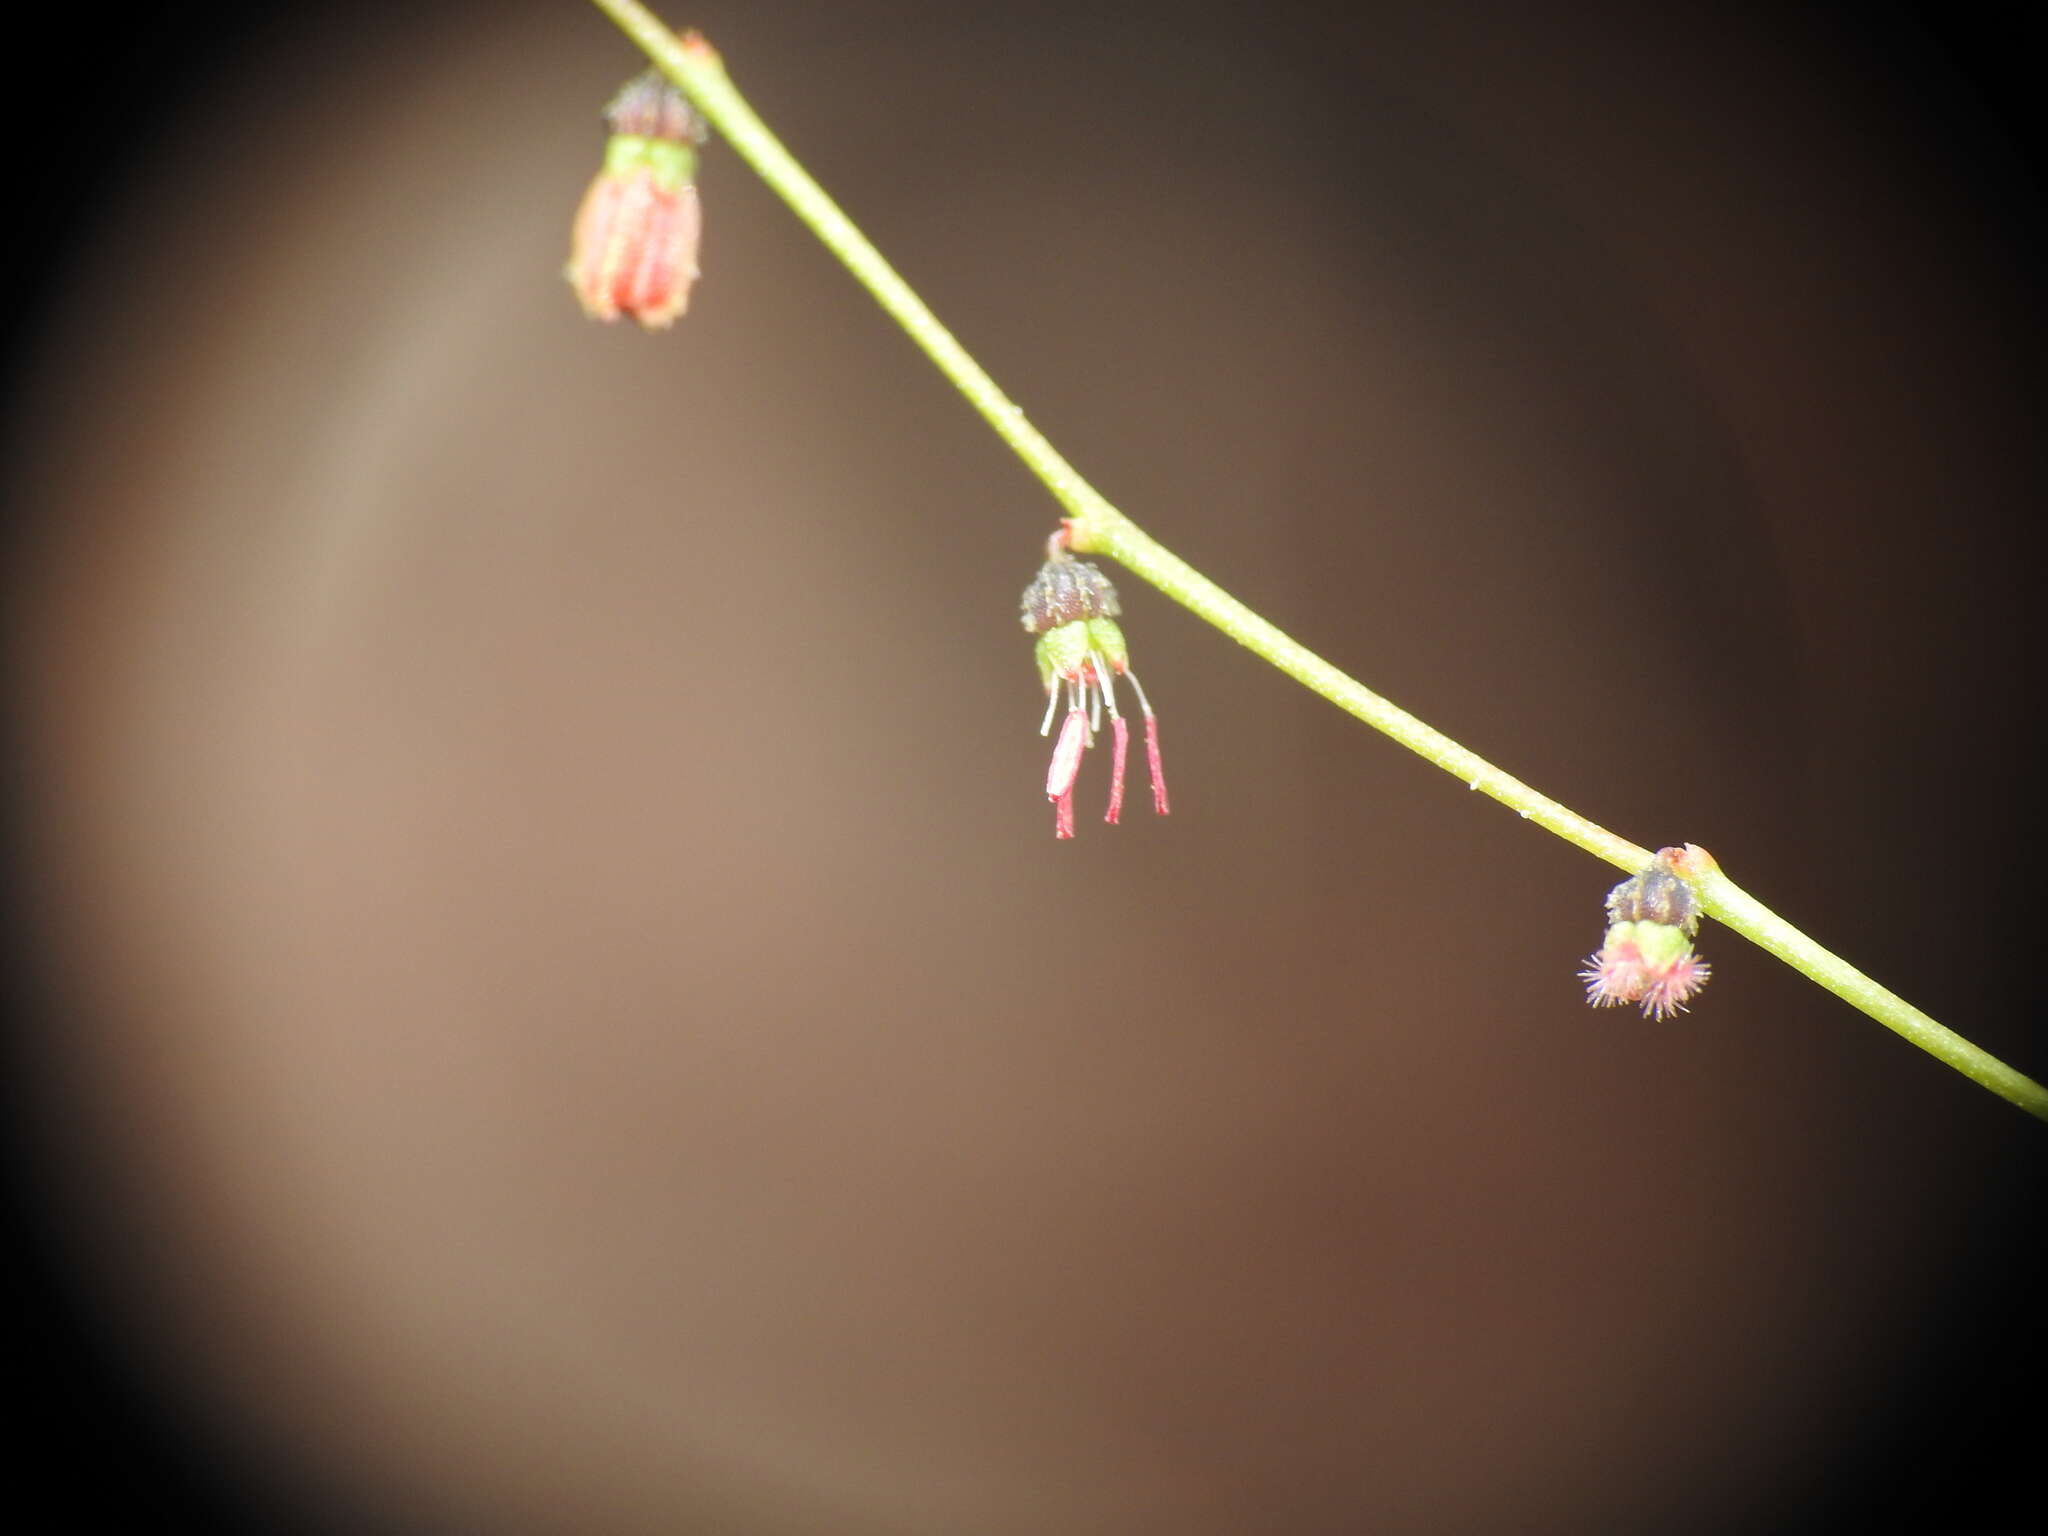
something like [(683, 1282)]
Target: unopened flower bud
[(1072, 609), (634, 247)]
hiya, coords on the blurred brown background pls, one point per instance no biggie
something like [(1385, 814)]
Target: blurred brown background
[(560, 1008)]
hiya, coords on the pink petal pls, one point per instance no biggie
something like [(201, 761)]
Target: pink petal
[(591, 248), (666, 264), (625, 241)]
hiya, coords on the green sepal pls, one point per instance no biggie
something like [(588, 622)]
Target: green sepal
[(1061, 651), (672, 166), (625, 152), (1104, 635), (1660, 944)]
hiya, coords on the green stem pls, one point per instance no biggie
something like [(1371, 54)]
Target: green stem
[(1097, 527), (1733, 907)]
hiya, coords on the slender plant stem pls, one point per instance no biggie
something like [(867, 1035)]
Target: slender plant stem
[(1097, 527), (1733, 907)]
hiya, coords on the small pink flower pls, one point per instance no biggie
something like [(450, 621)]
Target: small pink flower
[(634, 246), (1662, 981), (1647, 958), (1081, 653)]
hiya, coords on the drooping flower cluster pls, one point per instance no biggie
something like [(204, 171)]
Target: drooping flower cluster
[(634, 247), (1072, 609), (1648, 958)]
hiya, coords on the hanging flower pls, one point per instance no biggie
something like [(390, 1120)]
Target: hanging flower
[(1072, 609), (634, 247), (1647, 958)]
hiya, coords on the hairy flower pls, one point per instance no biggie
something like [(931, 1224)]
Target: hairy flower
[(634, 246), (1072, 609), (1647, 957)]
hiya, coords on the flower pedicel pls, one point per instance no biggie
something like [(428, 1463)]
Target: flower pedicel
[(1072, 609)]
